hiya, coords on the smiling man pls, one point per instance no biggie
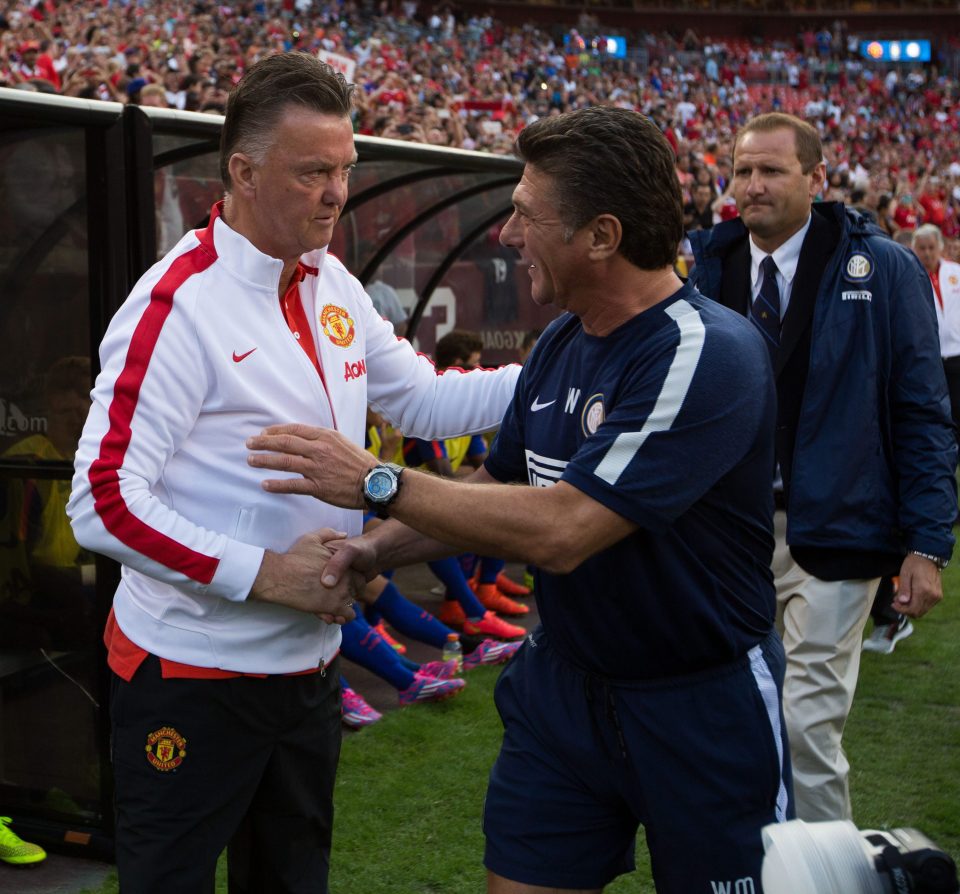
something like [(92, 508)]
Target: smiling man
[(225, 705), (863, 483), (642, 430)]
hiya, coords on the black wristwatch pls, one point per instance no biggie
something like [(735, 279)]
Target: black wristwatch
[(939, 561), (381, 486)]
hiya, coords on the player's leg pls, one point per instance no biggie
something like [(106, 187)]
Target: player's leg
[(823, 633), (554, 818), (498, 885), (283, 843), (489, 592), (462, 609), (185, 767), (711, 766), (410, 619), (822, 625), (362, 645), (450, 574)]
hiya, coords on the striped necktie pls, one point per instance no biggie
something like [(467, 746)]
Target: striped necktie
[(765, 311)]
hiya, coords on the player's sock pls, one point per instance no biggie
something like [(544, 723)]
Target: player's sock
[(408, 664), (468, 564), (450, 574), (490, 568), (410, 619), (372, 614), (364, 646)]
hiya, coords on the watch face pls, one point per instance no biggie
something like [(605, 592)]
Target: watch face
[(380, 485)]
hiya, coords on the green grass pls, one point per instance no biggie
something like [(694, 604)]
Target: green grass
[(410, 789)]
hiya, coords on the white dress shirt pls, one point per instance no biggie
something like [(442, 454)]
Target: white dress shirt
[(786, 257)]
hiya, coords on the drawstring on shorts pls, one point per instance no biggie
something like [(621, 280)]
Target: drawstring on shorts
[(609, 710)]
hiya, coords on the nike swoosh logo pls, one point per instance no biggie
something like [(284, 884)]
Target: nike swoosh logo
[(238, 357), (536, 405)]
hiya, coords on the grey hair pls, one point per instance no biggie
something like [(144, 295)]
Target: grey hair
[(927, 230)]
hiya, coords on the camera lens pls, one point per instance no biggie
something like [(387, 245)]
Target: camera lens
[(914, 863), (817, 858), (837, 858)]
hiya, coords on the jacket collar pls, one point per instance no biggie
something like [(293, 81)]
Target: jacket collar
[(723, 266), (246, 261), (818, 247), (715, 244), (718, 239)]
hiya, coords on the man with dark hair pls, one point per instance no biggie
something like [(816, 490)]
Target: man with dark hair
[(643, 423), (458, 348), (225, 700), (698, 213), (863, 482), (858, 202)]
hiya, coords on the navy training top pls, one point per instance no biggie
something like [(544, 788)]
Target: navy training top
[(668, 421)]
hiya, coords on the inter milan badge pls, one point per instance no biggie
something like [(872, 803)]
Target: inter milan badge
[(593, 414), (859, 268), (166, 749), (337, 325)]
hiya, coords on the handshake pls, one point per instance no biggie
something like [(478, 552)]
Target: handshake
[(293, 579)]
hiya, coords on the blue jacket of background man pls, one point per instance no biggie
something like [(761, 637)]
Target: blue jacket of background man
[(874, 452)]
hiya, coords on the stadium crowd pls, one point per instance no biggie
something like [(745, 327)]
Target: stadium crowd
[(429, 74)]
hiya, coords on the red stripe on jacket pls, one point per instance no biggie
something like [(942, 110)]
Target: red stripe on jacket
[(104, 475)]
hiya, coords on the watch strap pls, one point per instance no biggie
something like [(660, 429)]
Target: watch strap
[(939, 561)]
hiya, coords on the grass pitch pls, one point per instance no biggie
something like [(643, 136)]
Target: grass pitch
[(410, 789)]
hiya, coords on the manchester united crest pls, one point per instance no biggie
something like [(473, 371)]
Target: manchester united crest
[(166, 749), (337, 325)]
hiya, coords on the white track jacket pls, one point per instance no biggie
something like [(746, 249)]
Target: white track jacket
[(948, 315), (197, 359)]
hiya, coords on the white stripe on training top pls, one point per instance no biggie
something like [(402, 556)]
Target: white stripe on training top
[(768, 691), (671, 397)]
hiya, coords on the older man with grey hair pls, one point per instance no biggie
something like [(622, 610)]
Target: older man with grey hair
[(225, 698), (944, 276)]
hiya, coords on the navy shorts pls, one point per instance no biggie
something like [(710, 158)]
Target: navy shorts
[(700, 761)]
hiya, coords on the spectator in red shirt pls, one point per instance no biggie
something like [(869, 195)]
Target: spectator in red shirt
[(45, 64), (908, 215), (27, 67), (932, 196)]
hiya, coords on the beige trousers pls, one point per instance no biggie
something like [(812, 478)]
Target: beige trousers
[(822, 624)]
